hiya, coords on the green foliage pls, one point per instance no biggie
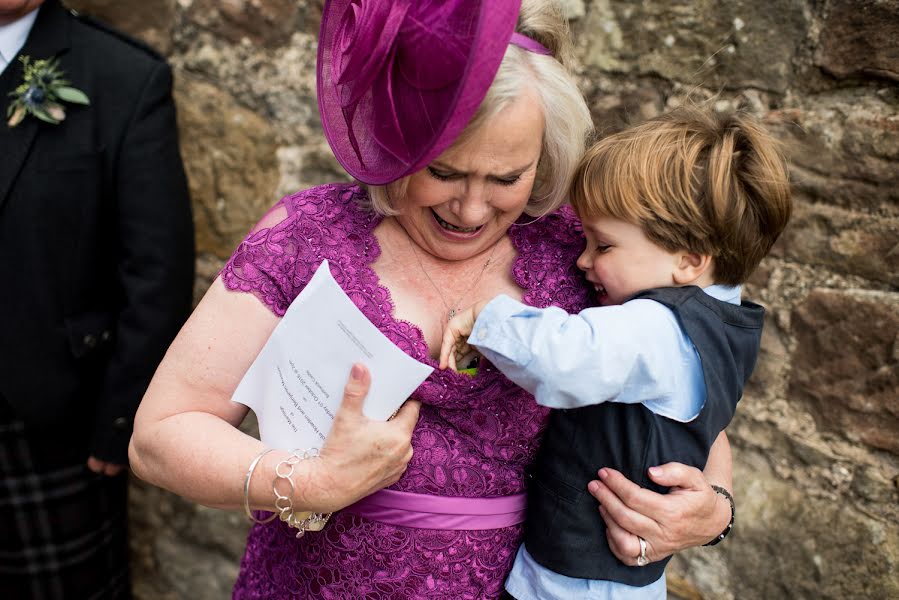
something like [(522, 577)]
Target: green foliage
[(43, 88)]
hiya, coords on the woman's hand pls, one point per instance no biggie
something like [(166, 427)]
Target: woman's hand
[(360, 455), (691, 514)]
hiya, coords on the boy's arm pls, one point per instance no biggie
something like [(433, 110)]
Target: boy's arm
[(619, 353)]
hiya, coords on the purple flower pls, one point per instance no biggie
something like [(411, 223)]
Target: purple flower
[(34, 96)]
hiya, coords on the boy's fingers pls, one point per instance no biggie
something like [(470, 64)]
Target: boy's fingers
[(446, 348)]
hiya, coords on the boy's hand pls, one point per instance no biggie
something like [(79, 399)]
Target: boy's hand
[(455, 336)]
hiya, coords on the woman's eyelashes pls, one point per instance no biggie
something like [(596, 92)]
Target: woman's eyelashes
[(443, 175), (507, 180), (602, 248)]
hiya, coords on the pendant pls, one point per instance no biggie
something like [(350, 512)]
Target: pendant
[(452, 313)]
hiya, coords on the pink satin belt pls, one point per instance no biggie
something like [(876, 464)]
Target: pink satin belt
[(424, 511)]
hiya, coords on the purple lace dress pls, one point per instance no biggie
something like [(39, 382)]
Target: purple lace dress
[(474, 438)]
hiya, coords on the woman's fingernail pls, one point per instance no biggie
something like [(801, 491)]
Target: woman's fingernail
[(357, 372), (603, 474), (655, 471), (593, 487)]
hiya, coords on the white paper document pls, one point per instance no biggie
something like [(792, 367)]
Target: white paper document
[(296, 383)]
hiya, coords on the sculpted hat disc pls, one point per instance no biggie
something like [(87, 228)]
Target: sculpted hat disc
[(398, 80)]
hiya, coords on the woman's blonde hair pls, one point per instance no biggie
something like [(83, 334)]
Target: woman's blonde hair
[(695, 180), (567, 121)]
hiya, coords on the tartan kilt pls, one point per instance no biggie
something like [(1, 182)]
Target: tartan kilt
[(63, 528)]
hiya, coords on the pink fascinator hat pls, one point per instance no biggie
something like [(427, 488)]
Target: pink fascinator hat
[(398, 80)]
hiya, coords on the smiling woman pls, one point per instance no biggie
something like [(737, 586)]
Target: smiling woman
[(462, 204), (463, 128)]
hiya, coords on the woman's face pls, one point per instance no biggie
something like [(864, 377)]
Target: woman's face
[(465, 200)]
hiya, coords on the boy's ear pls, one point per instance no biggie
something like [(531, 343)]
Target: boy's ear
[(691, 267)]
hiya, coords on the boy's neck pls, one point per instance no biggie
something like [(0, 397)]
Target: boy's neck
[(702, 281)]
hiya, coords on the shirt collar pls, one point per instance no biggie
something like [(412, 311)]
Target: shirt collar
[(724, 293), (13, 36)]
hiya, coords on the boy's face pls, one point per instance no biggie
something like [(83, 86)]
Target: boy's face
[(619, 260)]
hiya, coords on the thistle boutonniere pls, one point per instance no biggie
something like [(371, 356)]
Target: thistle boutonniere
[(42, 90)]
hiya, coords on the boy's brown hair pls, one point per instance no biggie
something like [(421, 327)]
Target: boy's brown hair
[(693, 180)]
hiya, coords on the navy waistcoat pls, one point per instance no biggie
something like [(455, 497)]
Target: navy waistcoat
[(564, 531)]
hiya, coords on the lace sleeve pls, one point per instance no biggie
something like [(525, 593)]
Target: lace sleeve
[(264, 263), (279, 256)]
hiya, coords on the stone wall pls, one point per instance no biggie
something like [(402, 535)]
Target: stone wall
[(816, 440)]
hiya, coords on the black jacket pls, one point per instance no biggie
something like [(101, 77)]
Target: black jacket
[(96, 238)]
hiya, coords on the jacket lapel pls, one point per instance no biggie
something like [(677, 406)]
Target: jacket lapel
[(49, 37)]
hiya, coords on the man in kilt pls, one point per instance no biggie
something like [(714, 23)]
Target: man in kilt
[(96, 270)]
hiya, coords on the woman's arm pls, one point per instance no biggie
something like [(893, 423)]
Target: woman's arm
[(691, 514), (185, 433)]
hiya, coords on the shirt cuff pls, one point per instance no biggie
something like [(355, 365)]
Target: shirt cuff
[(493, 336)]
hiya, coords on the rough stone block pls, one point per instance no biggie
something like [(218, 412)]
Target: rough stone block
[(844, 148), (772, 361), (180, 549), (269, 23), (276, 84), (847, 242), (715, 44), (789, 545), (150, 21), (859, 37), (845, 367), (230, 158)]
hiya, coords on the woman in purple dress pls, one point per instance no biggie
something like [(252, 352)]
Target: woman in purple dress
[(462, 127)]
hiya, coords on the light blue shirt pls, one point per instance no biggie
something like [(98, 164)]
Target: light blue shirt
[(635, 352)]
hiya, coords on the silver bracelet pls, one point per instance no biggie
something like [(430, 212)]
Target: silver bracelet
[(246, 489), (302, 521)]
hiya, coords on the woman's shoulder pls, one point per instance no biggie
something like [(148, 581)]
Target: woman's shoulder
[(277, 258), (564, 216), (547, 250), (559, 233), (329, 200)]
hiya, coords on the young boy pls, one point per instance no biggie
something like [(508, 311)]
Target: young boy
[(677, 213)]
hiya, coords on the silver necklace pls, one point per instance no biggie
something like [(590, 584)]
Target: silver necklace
[(455, 308)]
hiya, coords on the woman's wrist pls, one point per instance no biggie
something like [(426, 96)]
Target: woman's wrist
[(308, 492), (723, 517), (248, 486), (290, 506), (265, 480)]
